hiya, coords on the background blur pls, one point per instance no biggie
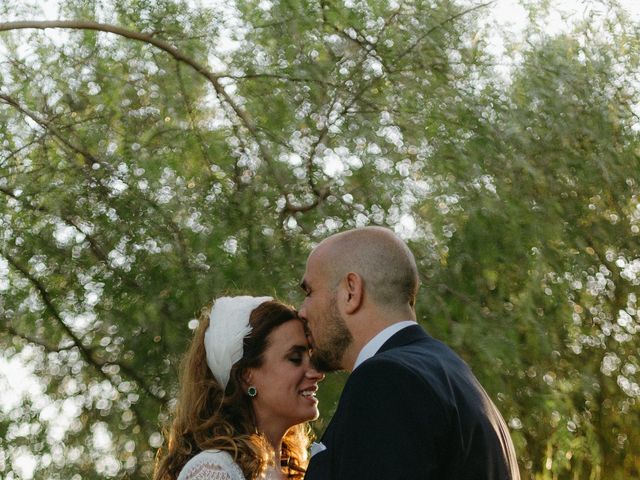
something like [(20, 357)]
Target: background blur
[(203, 148)]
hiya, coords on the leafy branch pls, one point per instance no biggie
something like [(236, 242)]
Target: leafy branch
[(181, 57), (87, 353)]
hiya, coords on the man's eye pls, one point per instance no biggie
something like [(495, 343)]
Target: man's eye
[(297, 360)]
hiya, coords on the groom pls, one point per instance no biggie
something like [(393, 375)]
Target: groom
[(411, 408)]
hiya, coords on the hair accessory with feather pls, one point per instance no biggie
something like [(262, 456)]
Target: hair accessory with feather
[(228, 325)]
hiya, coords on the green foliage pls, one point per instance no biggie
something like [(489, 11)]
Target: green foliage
[(135, 188)]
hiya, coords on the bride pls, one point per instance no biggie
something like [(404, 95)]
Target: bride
[(247, 387)]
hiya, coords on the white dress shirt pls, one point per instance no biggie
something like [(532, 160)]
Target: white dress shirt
[(372, 347)]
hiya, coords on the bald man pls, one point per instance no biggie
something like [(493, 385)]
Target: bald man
[(411, 408)]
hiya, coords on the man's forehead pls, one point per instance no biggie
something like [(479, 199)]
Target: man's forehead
[(316, 259), (323, 248)]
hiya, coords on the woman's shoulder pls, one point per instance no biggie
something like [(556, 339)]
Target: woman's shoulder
[(211, 465)]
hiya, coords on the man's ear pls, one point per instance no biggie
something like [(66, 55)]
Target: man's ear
[(354, 292)]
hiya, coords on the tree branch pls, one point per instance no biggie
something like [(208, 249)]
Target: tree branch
[(36, 341), (13, 153), (322, 194), (94, 245), (192, 120), (92, 159), (51, 349), (440, 25), (213, 79), (46, 298), (85, 352), (276, 76), (320, 197), (46, 124)]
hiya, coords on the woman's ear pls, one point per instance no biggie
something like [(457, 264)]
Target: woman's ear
[(354, 291), (246, 378)]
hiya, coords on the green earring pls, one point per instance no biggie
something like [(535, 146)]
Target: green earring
[(252, 391)]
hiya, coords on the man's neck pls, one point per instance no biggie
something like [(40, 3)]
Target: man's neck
[(362, 339)]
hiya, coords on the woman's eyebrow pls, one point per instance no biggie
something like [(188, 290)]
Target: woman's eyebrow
[(298, 348)]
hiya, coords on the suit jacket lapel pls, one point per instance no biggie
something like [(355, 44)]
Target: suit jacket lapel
[(405, 336)]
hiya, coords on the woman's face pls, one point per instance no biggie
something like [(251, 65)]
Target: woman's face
[(286, 382)]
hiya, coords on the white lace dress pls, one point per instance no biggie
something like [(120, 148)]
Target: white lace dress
[(215, 465)]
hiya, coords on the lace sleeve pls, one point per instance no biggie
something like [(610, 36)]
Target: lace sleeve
[(211, 465)]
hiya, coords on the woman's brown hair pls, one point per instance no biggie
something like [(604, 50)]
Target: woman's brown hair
[(206, 417)]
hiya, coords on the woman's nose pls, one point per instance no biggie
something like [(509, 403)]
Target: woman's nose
[(314, 374)]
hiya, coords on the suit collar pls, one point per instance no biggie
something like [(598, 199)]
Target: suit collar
[(405, 336), (373, 345)]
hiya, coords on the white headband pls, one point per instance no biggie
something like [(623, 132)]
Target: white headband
[(228, 325)]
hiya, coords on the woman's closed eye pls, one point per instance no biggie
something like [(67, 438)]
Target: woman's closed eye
[(296, 359), (297, 354)]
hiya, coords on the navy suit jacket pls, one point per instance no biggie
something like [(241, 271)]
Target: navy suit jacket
[(415, 411)]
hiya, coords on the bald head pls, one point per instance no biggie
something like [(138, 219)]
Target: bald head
[(382, 260)]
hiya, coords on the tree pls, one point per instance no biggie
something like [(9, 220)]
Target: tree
[(158, 154)]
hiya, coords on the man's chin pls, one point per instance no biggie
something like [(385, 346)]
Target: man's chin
[(324, 364)]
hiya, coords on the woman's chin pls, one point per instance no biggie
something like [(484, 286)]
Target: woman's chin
[(313, 415)]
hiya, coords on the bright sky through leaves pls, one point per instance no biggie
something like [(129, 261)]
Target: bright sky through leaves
[(363, 162)]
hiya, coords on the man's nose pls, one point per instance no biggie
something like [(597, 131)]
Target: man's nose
[(302, 311)]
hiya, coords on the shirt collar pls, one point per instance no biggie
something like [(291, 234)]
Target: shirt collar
[(370, 349)]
